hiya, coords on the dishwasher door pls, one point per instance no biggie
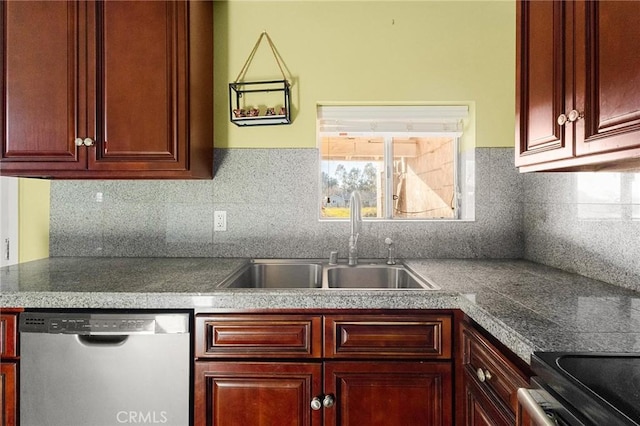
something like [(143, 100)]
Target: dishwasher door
[(104, 369)]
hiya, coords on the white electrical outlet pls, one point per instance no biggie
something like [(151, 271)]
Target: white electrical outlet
[(220, 220)]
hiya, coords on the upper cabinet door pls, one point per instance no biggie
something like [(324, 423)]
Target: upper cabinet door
[(544, 81), (107, 89), (138, 70), (607, 91), (578, 70), (39, 41)]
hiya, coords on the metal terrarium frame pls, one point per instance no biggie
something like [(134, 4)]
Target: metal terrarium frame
[(260, 103)]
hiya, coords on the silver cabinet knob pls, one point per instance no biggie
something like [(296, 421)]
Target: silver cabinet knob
[(575, 115), (316, 404), (79, 142), (562, 119), (483, 375), (328, 401), (87, 142)]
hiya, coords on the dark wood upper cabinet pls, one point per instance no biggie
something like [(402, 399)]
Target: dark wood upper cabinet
[(577, 103), (107, 89), (610, 84), (40, 86), (542, 42)]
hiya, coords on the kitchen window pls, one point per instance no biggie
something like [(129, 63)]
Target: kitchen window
[(403, 160)]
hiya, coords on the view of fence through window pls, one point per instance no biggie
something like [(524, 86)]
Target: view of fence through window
[(421, 178)]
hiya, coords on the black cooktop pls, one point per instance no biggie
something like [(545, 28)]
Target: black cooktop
[(603, 387)]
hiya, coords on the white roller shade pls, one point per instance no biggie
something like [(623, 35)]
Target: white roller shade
[(392, 119)]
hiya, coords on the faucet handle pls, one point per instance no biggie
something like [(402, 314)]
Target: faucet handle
[(388, 241)]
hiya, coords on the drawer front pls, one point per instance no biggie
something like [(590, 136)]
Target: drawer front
[(8, 336), (276, 336), (382, 336), (491, 371)]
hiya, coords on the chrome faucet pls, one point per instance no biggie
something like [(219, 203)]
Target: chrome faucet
[(355, 220)]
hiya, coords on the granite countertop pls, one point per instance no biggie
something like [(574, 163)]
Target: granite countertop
[(527, 306)]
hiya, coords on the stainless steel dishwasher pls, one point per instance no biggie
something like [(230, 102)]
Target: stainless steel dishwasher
[(104, 369)]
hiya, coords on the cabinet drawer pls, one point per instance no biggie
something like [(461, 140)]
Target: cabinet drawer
[(244, 336), (382, 336), (8, 336), (491, 371)]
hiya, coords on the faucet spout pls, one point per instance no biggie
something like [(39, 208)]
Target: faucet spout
[(355, 221)]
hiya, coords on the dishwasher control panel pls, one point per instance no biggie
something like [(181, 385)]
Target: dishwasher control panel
[(63, 323)]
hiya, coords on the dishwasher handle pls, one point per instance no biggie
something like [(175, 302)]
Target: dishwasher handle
[(102, 339)]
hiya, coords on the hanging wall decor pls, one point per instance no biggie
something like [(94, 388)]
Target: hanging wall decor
[(260, 103)]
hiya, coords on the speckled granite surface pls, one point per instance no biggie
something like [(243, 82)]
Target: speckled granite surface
[(525, 305), (271, 197)]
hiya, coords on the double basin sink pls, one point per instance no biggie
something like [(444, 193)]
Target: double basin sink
[(315, 274)]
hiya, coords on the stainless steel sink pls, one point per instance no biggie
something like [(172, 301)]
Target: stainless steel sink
[(276, 274), (374, 276), (316, 274)]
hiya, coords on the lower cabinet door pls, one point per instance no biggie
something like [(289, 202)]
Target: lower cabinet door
[(388, 393), (257, 393), (479, 409), (8, 393)]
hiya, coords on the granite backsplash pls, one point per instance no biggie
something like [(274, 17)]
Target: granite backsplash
[(587, 223), (271, 200)]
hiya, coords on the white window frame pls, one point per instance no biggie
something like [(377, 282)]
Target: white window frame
[(395, 121), (8, 221)]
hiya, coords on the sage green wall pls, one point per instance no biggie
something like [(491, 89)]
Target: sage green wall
[(33, 219), (369, 52), (349, 51)]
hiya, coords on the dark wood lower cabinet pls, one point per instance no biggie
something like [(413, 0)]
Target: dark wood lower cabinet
[(319, 368), (480, 410), (257, 393), (9, 367), (361, 393), (8, 397), (388, 393), (489, 376)]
